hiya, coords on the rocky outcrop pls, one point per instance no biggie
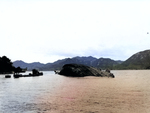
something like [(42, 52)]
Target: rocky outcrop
[(78, 70)]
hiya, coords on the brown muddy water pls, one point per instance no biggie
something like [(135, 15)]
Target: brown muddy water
[(128, 92)]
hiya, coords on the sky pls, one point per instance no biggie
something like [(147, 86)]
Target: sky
[(48, 30)]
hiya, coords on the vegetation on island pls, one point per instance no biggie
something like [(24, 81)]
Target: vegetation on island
[(6, 66)]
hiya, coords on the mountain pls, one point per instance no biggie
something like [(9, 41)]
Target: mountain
[(57, 65), (29, 66), (102, 63), (140, 60), (86, 60)]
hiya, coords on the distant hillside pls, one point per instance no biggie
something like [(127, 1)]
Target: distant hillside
[(140, 60), (102, 63), (75, 60), (29, 66)]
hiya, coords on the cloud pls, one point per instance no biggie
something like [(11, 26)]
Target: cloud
[(49, 30)]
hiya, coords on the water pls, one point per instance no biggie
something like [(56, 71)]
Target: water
[(128, 92)]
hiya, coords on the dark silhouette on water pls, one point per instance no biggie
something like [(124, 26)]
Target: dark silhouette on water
[(5, 65), (33, 74), (7, 76), (78, 70)]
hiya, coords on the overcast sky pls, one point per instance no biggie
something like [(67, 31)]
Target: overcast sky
[(47, 30)]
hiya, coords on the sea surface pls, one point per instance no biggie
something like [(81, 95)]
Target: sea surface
[(128, 92)]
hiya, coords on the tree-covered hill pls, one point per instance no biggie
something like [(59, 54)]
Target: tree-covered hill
[(140, 60), (5, 65)]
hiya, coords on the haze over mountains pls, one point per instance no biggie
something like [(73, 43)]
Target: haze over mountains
[(140, 60)]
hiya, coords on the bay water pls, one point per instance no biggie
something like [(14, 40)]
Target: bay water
[(128, 92)]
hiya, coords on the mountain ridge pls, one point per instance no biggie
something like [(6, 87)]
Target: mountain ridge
[(57, 65), (139, 60)]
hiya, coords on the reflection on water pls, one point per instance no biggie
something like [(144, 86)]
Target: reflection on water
[(128, 92)]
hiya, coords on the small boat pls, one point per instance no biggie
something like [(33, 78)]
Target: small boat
[(7, 76)]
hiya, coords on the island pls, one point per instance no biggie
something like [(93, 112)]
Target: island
[(79, 70), (33, 74)]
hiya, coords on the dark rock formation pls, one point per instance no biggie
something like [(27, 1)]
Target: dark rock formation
[(78, 70)]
